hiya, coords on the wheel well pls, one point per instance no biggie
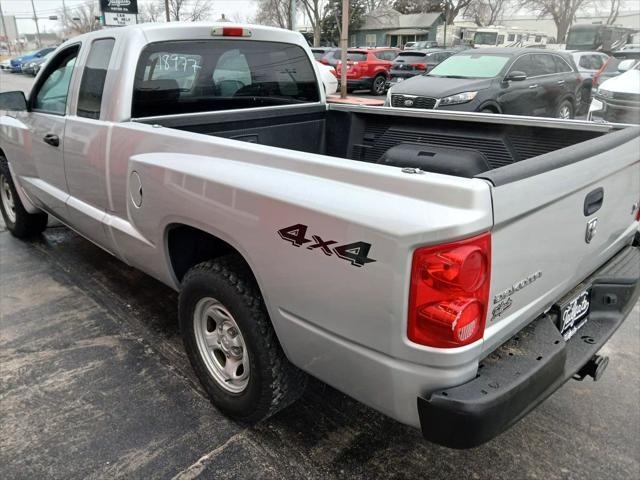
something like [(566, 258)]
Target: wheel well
[(188, 246), (490, 106)]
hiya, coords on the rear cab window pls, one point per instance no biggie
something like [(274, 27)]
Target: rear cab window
[(211, 75), (93, 78)]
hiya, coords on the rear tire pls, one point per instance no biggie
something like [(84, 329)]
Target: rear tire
[(379, 85), (19, 222), (565, 110), (223, 319)]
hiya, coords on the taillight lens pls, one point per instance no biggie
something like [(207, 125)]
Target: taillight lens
[(449, 292), (420, 66)]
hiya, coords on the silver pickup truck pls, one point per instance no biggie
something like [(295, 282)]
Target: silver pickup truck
[(449, 270)]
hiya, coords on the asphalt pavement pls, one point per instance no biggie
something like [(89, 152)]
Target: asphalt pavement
[(94, 383)]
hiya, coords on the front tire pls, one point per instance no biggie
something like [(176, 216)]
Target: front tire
[(231, 343), (19, 222)]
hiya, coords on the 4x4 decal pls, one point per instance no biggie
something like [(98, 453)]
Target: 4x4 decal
[(356, 253)]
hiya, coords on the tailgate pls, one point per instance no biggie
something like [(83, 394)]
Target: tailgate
[(544, 242)]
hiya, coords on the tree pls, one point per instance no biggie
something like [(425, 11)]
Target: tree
[(315, 10), (80, 19), (614, 10), (563, 12), (332, 22), (276, 13), (449, 8), (188, 10), (151, 12), (485, 12)]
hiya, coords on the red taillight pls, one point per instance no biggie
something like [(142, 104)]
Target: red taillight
[(419, 66), (231, 32), (449, 293)]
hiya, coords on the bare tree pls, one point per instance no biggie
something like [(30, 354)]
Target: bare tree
[(485, 12), (81, 19), (449, 8), (614, 10), (151, 12), (563, 12), (315, 12), (189, 10), (276, 13)]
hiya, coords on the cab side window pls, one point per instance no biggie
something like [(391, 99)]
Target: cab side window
[(93, 78), (524, 64), (561, 65), (51, 92)]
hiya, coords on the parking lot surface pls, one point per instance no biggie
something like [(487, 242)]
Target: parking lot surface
[(94, 383)]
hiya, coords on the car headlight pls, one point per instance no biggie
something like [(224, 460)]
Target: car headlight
[(387, 101), (458, 98)]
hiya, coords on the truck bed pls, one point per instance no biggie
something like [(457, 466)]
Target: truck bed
[(366, 134)]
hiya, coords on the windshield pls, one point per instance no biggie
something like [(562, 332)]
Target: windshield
[(352, 56), (470, 66), (197, 76), (409, 57), (582, 36), (485, 38), (318, 54)]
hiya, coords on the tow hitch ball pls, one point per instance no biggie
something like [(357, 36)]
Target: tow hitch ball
[(594, 368)]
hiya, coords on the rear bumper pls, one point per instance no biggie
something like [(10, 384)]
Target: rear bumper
[(532, 365), (362, 83)]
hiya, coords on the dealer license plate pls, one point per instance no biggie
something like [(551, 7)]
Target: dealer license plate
[(574, 313)]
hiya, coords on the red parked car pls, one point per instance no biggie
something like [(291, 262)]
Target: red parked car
[(367, 69)]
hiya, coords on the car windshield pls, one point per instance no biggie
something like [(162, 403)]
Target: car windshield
[(582, 36), (318, 54), (352, 55), (470, 66), (485, 38), (409, 57)]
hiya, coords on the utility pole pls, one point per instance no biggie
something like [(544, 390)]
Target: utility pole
[(4, 29), (293, 14), (35, 18), (166, 10), (64, 20), (344, 43)]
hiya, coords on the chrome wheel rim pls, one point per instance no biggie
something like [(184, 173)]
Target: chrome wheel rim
[(221, 345), (8, 202), (565, 112)]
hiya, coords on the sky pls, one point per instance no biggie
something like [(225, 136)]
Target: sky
[(45, 8)]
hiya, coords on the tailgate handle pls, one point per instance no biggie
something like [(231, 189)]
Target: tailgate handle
[(593, 201)]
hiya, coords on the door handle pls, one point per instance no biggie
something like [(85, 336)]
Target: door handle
[(560, 82), (533, 86), (593, 201), (52, 139)]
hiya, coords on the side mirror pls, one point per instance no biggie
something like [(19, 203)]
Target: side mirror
[(515, 76), (626, 65), (13, 101), (38, 55)]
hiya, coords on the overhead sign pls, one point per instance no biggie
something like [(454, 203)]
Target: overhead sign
[(120, 19), (119, 6)]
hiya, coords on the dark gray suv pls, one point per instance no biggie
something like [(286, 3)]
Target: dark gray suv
[(499, 80)]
